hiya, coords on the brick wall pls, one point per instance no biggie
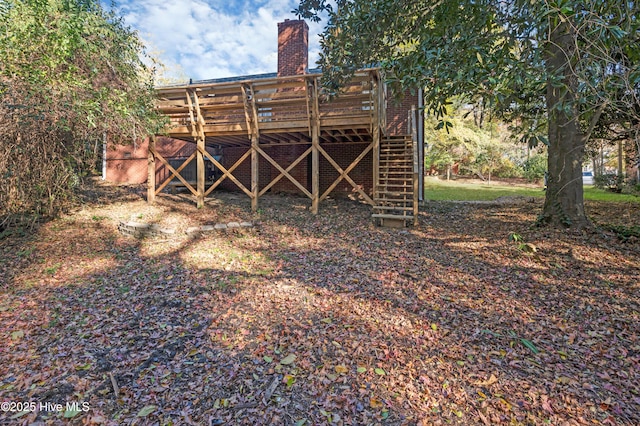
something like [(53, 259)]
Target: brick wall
[(398, 113), (293, 47), (343, 155), (128, 163), (243, 171)]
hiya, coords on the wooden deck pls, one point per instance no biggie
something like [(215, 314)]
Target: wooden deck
[(280, 108), (266, 112)]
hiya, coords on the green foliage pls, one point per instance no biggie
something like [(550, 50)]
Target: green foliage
[(553, 67), (521, 244), (535, 167), (624, 233), (483, 150), (70, 73), (609, 181)]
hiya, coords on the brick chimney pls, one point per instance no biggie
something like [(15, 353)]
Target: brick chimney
[(293, 47)]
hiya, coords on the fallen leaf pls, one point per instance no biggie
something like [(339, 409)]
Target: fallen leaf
[(375, 403), (341, 369), (288, 359), (491, 380), (146, 410)]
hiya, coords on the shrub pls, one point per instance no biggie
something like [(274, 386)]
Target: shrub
[(535, 167), (609, 181)]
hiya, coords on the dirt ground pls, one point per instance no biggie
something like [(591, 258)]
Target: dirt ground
[(326, 319)]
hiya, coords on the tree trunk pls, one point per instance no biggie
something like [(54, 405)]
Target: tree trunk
[(564, 204), (620, 160)]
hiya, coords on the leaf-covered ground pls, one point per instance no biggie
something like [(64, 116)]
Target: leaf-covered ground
[(321, 319)]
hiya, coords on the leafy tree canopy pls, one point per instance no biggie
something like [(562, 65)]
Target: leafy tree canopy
[(70, 74), (560, 64)]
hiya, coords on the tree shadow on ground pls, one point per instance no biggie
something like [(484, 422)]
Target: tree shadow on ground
[(430, 324)]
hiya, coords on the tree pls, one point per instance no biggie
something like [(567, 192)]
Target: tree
[(562, 61), (71, 74)]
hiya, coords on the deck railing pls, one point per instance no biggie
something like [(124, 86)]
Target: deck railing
[(282, 105)]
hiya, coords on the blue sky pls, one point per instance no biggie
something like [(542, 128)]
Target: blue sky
[(203, 39)]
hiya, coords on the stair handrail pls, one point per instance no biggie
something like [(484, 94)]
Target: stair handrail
[(416, 163)]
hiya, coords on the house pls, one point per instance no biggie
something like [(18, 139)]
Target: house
[(279, 132)]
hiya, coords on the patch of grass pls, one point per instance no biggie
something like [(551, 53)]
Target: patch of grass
[(26, 252), (442, 190), (53, 269), (595, 194)]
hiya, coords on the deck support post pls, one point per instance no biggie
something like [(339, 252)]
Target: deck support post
[(255, 163), (315, 170), (314, 130), (151, 170), (197, 130), (253, 127), (200, 173)]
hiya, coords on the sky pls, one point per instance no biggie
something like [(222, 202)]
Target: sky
[(207, 39)]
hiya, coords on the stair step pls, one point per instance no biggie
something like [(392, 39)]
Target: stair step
[(391, 200), (396, 192), (408, 209), (391, 216), (404, 184), (396, 157), (399, 142), (388, 180), (395, 187)]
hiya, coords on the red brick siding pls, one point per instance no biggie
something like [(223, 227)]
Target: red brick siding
[(243, 171), (398, 113), (128, 163), (285, 156), (344, 155), (293, 47)]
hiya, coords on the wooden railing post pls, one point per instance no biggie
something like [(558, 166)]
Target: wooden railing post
[(151, 170)]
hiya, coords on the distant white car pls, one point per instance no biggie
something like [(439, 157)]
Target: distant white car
[(587, 178)]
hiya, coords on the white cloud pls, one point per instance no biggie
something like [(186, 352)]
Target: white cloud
[(213, 39)]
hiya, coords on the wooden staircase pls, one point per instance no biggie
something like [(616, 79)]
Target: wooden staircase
[(396, 189)]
